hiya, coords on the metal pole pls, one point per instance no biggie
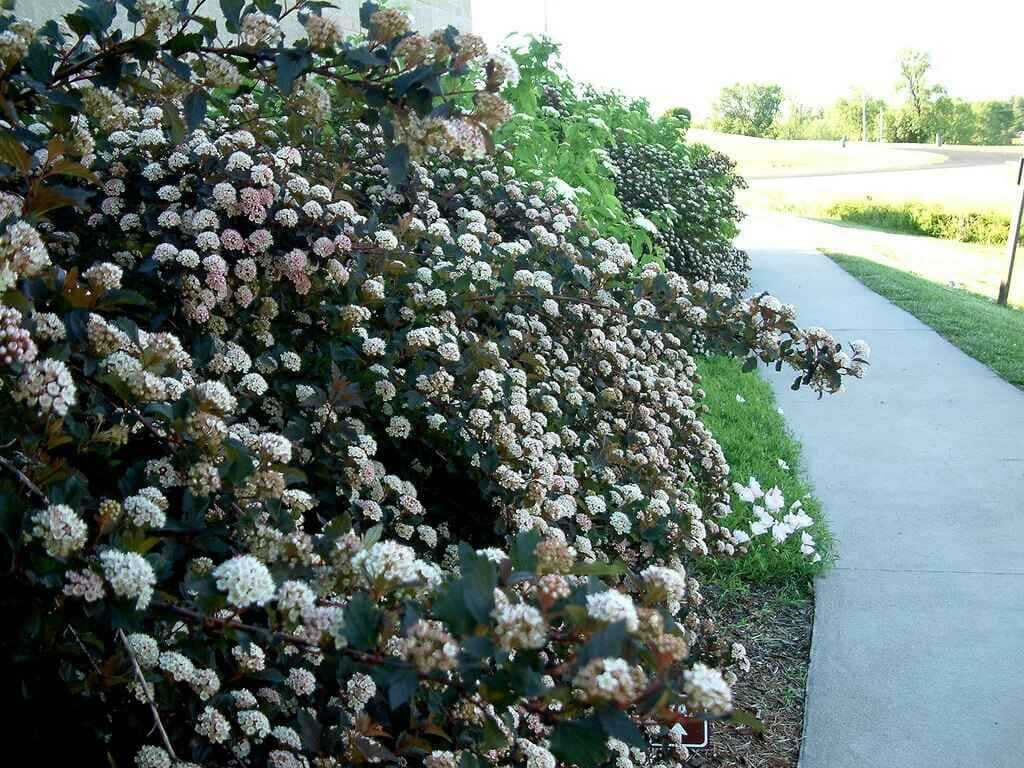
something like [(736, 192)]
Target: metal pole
[(1011, 245), (864, 117)]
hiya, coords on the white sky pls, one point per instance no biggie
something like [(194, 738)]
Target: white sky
[(681, 52)]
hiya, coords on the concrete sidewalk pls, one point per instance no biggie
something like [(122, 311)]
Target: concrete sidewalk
[(918, 652)]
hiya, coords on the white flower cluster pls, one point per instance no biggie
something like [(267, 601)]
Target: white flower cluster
[(46, 384), (130, 576), (61, 530), (246, 580), (769, 517), (389, 564), (612, 606), (22, 254), (706, 690), (613, 680)]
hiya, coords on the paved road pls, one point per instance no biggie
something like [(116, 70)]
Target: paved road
[(954, 158), (918, 651)]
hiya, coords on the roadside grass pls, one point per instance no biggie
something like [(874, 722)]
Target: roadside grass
[(911, 217), (754, 436), (989, 333), (990, 187)]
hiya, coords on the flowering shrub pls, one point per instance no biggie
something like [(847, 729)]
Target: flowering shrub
[(633, 176), (394, 462)]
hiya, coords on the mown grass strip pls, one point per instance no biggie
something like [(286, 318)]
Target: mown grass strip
[(989, 333)]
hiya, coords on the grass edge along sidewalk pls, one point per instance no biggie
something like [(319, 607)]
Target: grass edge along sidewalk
[(744, 417), (991, 334)]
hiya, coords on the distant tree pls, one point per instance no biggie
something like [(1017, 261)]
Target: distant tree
[(952, 119), (995, 122), (1018, 115), (845, 114), (680, 113), (904, 126), (914, 66), (800, 121), (750, 109)]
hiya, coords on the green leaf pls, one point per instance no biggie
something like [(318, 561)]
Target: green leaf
[(195, 108), (397, 160), (615, 568), (742, 717), (606, 643), (361, 622), (175, 123), (363, 58), (39, 61), (523, 552), (183, 43), (290, 65), (310, 730), (13, 153), (450, 607), (177, 66), (401, 687), (366, 10), (237, 464), (493, 737), (232, 10), (480, 577), (618, 725), (580, 742)]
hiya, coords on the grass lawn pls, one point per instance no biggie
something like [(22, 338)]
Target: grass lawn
[(982, 188), (754, 437), (989, 333), (771, 157)]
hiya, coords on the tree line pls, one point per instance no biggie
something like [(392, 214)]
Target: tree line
[(927, 112)]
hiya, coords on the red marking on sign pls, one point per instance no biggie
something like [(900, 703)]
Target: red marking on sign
[(698, 732)]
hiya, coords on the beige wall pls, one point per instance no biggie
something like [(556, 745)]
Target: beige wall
[(428, 15)]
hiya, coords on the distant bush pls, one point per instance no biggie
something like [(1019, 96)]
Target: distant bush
[(690, 201), (989, 227)]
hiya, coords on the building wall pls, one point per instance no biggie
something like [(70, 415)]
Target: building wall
[(428, 15)]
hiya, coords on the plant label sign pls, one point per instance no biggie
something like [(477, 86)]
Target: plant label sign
[(697, 733)]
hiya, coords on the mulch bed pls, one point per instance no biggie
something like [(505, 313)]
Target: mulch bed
[(776, 630)]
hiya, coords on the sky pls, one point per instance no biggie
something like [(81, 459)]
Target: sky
[(681, 52)]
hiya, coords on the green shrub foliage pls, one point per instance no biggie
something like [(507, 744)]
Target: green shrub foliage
[(931, 219), (328, 439), (689, 202)]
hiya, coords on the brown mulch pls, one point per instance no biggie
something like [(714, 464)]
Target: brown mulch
[(775, 627)]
